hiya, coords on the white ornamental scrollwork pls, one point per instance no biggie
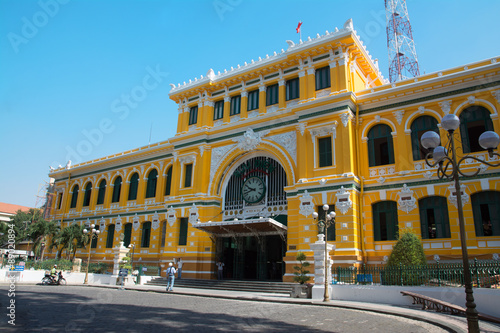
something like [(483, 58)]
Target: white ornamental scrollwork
[(102, 224), (156, 221), (453, 195), (217, 158), (399, 115), (171, 217), (344, 202), (406, 201), (193, 214), (136, 224), (288, 141), (250, 140), (346, 117), (118, 223), (306, 204)]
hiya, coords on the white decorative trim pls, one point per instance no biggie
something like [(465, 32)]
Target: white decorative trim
[(209, 103), (288, 141), (311, 71), (302, 128), (324, 131), (102, 224), (344, 202), (118, 223), (323, 93), (155, 223), (471, 99), (496, 94), (272, 108), (171, 216), (306, 207), (399, 115), (193, 214), (250, 140), (406, 201), (135, 222), (346, 117), (453, 196), (218, 157), (445, 106)]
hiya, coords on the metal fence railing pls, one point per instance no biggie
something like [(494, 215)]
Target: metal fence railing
[(485, 274)]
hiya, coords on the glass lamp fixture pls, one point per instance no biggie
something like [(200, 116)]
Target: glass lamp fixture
[(450, 122)]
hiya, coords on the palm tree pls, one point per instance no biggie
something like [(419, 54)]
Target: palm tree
[(39, 232), (70, 239)]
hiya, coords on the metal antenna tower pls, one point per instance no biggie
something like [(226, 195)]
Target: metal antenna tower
[(403, 63)]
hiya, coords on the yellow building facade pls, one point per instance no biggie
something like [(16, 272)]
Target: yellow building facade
[(262, 146)]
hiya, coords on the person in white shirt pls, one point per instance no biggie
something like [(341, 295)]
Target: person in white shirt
[(179, 268), (220, 270), (170, 276)]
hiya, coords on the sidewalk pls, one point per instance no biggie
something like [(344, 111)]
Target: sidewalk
[(449, 322)]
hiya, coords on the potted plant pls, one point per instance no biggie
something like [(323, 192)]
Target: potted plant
[(303, 289)]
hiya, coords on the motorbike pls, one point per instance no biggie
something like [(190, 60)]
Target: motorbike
[(48, 279)]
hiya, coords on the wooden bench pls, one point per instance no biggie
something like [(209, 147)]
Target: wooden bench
[(441, 306)]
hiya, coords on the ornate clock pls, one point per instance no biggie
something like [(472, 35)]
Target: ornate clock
[(253, 190)]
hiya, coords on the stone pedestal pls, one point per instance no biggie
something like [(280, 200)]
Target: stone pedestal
[(318, 247), (77, 265), (120, 252)]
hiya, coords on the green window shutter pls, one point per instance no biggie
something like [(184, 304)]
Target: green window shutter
[(474, 121), (325, 151), (151, 186), (434, 221), (74, 197), (188, 175), (168, 182), (235, 105), (193, 115), (134, 183), (253, 100), (292, 89), (272, 94), (94, 239), (110, 237), (102, 192), (323, 78), (183, 231), (117, 188), (163, 233), (330, 232), (146, 234), (486, 211), (59, 200), (385, 220), (127, 232), (418, 127), (219, 110), (87, 195), (380, 146)]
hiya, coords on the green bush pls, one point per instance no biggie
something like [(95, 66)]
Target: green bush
[(301, 271), (62, 264), (407, 252), (99, 267)]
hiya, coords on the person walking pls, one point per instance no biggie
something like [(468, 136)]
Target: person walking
[(179, 268), (170, 277), (220, 270)]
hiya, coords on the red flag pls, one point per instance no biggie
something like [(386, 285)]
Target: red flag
[(298, 27)]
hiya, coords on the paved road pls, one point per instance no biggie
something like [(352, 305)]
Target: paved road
[(83, 309)]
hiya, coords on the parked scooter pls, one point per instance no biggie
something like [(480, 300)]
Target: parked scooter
[(48, 279)]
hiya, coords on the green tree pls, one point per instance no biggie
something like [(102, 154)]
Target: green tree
[(70, 239), (40, 232), (300, 274), (408, 250)]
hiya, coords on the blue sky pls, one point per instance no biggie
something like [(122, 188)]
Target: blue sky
[(67, 66)]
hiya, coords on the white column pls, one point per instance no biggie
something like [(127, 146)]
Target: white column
[(318, 290)]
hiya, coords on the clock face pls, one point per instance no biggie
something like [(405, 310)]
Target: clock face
[(253, 190)]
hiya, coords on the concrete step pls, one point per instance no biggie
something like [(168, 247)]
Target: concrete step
[(234, 285)]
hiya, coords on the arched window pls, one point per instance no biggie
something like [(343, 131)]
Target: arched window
[(74, 196), (127, 233), (146, 234), (151, 187), (102, 192), (380, 148), (434, 220), (385, 220), (418, 127), (473, 122), (168, 181), (117, 188), (486, 210), (94, 238), (134, 184), (111, 235), (88, 192)]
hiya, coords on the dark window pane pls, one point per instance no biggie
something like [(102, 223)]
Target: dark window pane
[(88, 193), (235, 105), (380, 148), (168, 181), (127, 232), (292, 89), (151, 186), (74, 197), (325, 151), (188, 175), (253, 100), (117, 188), (193, 115), (146, 234), (219, 110), (134, 183), (102, 192), (323, 78), (111, 235), (183, 229), (272, 94), (473, 122)]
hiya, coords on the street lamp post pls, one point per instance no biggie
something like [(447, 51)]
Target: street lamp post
[(323, 227), (94, 233), (132, 246), (448, 167)]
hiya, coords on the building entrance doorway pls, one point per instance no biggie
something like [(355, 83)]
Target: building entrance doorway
[(253, 258)]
